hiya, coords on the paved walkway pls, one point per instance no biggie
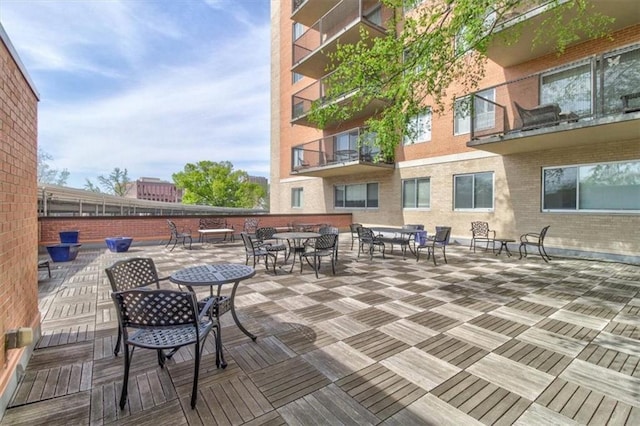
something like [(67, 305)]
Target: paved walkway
[(483, 339)]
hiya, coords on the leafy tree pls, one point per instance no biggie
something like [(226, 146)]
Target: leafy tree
[(115, 183), (427, 50), (217, 184), (48, 175)]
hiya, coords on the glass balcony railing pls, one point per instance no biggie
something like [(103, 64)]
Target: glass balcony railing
[(353, 145), (581, 92)]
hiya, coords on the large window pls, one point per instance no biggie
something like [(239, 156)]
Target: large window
[(570, 88), (473, 191), (419, 128), (364, 195), (611, 187), (296, 197), (298, 30), (416, 193), (484, 110), (298, 157)]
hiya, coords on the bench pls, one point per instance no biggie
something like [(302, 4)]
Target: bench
[(215, 226)]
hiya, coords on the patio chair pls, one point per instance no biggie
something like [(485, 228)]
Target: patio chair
[(328, 229), (175, 236), (130, 274), (256, 251), (161, 319), (368, 238), (480, 232), (264, 238), (324, 245), (539, 116), (353, 228), (440, 240), (534, 240)]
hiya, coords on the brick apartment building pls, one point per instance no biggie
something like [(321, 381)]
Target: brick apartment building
[(154, 189), (495, 166), (18, 213)]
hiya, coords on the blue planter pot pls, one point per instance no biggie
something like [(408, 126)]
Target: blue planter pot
[(118, 244), (69, 237), (63, 252)]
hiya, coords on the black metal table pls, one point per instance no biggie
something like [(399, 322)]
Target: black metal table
[(503, 245), (403, 241), (216, 276), (296, 246)]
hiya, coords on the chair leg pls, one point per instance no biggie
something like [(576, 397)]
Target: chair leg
[(196, 371), (444, 253), (316, 264), (125, 380), (117, 348), (161, 358), (432, 252), (520, 250), (544, 256)]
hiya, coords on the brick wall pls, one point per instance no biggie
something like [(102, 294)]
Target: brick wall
[(145, 228), (18, 208)]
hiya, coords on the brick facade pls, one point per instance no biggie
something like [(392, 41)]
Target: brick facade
[(517, 177), (18, 210)]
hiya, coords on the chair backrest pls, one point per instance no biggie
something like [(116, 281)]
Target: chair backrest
[(543, 233), (328, 230), (326, 241), (365, 234), (156, 308), (443, 233), (480, 229), (354, 228), (265, 233), (250, 225), (212, 223), (172, 227), (248, 243), (132, 273)]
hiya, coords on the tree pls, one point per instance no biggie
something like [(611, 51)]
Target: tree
[(217, 184), (48, 175), (438, 44), (115, 184)]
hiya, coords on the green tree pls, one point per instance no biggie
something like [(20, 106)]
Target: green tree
[(48, 175), (115, 184), (427, 50), (217, 184)]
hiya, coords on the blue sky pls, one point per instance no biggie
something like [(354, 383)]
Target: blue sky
[(146, 85)]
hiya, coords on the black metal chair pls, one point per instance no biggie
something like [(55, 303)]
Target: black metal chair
[(480, 233), (323, 246), (256, 251), (534, 240), (250, 225), (366, 237), (353, 228), (130, 274), (44, 264), (159, 320), (440, 240), (176, 235)]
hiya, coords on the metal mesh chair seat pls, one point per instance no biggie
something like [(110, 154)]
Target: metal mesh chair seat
[(220, 306), (173, 337)]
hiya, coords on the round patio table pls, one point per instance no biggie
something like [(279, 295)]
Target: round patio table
[(212, 276)]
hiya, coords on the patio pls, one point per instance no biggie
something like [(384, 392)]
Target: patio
[(482, 339)]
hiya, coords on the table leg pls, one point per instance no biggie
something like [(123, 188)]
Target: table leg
[(235, 317)]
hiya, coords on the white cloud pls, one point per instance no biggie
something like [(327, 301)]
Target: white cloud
[(131, 85)]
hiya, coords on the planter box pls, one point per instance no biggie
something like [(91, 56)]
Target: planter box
[(69, 237), (118, 244), (63, 252)]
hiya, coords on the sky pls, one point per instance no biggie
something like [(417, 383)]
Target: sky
[(146, 85)]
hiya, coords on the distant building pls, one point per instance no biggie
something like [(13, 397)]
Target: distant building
[(260, 180), (154, 189)]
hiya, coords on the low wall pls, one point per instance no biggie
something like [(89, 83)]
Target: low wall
[(94, 229)]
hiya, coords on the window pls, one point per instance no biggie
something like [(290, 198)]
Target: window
[(416, 193), (298, 157), (364, 195), (570, 88), (295, 77), (298, 30), (473, 191), (484, 110), (593, 187), (419, 128), (296, 197)]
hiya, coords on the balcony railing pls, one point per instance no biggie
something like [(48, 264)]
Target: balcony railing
[(577, 94), (307, 12), (352, 146), (341, 22)]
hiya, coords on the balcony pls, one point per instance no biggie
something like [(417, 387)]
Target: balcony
[(303, 100), (523, 25), (307, 12), (583, 103), (341, 154), (342, 23)]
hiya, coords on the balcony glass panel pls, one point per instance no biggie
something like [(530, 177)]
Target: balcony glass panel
[(569, 88)]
